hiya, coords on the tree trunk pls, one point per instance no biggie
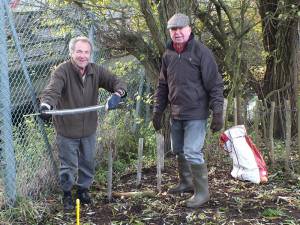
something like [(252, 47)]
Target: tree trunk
[(296, 50), (279, 32)]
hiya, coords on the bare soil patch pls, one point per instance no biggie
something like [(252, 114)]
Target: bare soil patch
[(232, 201)]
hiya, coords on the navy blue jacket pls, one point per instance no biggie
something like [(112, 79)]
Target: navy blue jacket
[(189, 82)]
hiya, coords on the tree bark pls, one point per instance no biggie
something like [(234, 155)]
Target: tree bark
[(278, 23), (297, 51)]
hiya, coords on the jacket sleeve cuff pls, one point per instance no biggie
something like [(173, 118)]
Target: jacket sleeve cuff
[(47, 105)]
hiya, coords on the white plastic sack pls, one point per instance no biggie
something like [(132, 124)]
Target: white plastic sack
[(248, 163)]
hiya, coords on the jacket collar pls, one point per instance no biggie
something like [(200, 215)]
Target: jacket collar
[(88, 69)]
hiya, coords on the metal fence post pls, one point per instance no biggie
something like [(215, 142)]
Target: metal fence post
[(6, 140), (31, 88)]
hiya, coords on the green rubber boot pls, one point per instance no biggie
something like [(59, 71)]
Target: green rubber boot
[(200, 180), (185, 177)]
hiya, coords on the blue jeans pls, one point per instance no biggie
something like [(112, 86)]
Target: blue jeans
[(77, 157), (187, 137)]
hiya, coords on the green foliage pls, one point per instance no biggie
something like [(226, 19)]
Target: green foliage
[(117, 126), (22, 141), (101, 175), (32, 158), (30, 147), (117, 135), (272, 213), (279, 149), (148, 133), (123, 68), (24, 212), (116, 130)]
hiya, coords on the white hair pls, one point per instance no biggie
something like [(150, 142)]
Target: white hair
[(74, 40)]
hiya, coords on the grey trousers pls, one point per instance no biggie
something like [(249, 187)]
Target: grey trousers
[(77, 158)]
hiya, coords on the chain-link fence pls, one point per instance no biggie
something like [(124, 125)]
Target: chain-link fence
[(32, 42)]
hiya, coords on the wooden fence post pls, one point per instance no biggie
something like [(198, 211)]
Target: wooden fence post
[(263, 118), (288, 127), (235, 111), (109, 174), (140, 161), (256, 123), (225, 111), (160, 149), (271, 131), (160, 159)]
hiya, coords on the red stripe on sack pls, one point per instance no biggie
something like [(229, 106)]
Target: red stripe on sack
[(222, 140), (263, 173)]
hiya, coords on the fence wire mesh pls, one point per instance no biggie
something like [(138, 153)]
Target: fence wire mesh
[(39, 43)]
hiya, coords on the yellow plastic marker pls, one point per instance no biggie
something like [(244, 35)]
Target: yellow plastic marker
[(77, 211)]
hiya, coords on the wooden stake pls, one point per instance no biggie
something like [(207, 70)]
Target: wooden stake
[(140, 161), (271, 133), (288, 127), (134, 194), (109, 174)]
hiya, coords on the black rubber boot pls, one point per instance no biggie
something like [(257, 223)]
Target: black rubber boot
[(68, 201), (185, 177), (83, 196), (200, 179)]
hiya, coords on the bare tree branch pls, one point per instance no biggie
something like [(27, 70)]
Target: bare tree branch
[(229, 16), (209, 23), (152, 25)]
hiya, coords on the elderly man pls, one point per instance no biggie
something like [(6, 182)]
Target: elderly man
[(74, 84), (190, 82)]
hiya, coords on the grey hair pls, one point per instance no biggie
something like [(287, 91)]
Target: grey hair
[(74, 40)]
